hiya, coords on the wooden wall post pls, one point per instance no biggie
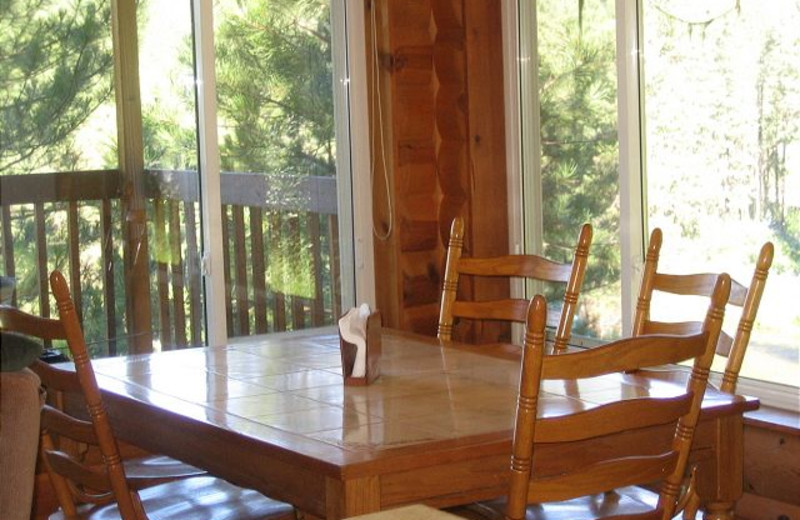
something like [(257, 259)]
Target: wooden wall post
[(131, 165), (440, 134)]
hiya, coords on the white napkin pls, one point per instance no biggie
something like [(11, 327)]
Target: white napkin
[(353, 328)]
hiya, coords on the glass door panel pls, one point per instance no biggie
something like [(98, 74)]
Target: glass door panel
[(277, 152), (577, 93), (59, 181), (722, 102), (169, 127)]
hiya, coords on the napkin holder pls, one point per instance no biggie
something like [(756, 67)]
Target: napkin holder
[(373, 354)]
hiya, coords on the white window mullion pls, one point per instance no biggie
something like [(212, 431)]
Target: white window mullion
[(353, 154), (512, 62), (208, 156), (630, 110), (530, 130)]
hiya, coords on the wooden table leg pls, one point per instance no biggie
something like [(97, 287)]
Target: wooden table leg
[(352, 497), (720, 479)]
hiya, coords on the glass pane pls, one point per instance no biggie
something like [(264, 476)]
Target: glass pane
[(58, 163), (277, 149), (170, 159), (723, 154), (57, 101), (580, 159)]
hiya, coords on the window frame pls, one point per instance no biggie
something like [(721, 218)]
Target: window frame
[(524, 172)]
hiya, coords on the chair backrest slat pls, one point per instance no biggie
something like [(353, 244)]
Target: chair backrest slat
[(65, 464), (507, 310), (701, 284), (656, 458), (630, 414), (14, 320), (671, 327), (624, 355), (71, 427), (521, 266), (625, 472), (531, 267)]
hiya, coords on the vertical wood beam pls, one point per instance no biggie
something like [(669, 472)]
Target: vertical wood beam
[(131, 165), (193, 270), (109, 300), (486, 150), (486, 126), (8, 246), (259, 269), (377, 21), (73, 237)]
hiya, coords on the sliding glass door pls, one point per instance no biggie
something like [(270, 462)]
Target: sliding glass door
[(276, 137), (187, 165), (270, 154)]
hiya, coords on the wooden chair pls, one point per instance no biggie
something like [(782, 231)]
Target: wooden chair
[(522, 266), (748, 298), (648, 459), (659, 428), (701, 285), (146, 470), (91, 492)]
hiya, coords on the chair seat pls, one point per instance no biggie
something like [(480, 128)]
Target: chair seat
[(631, 500), (198, 498), (412, 512), (157, 469)]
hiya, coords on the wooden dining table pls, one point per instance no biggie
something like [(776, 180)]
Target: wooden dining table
[(272, 413)]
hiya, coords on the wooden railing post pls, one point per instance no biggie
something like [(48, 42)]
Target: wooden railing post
[(8, 245), (193, 270), (131, 165), (109, 292)]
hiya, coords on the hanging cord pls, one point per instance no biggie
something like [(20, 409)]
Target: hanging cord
[(378, 109)]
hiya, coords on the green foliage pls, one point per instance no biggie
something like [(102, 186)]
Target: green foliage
[(274, 74), (168, 145), (274, 83), (291, 265), (577, 78), (55, 63)]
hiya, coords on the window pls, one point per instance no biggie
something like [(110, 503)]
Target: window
[(240, 173), (57, 115), (703, 143), (722, 104), (576, 170)]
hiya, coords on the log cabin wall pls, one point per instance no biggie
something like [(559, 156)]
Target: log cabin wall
[(438, 127)]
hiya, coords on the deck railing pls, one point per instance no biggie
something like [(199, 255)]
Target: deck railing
[(280, 246)]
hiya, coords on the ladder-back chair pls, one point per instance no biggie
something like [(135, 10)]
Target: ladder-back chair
[(585, 488), (106, 491), (145, 470), (532, 267), (747, 298)]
